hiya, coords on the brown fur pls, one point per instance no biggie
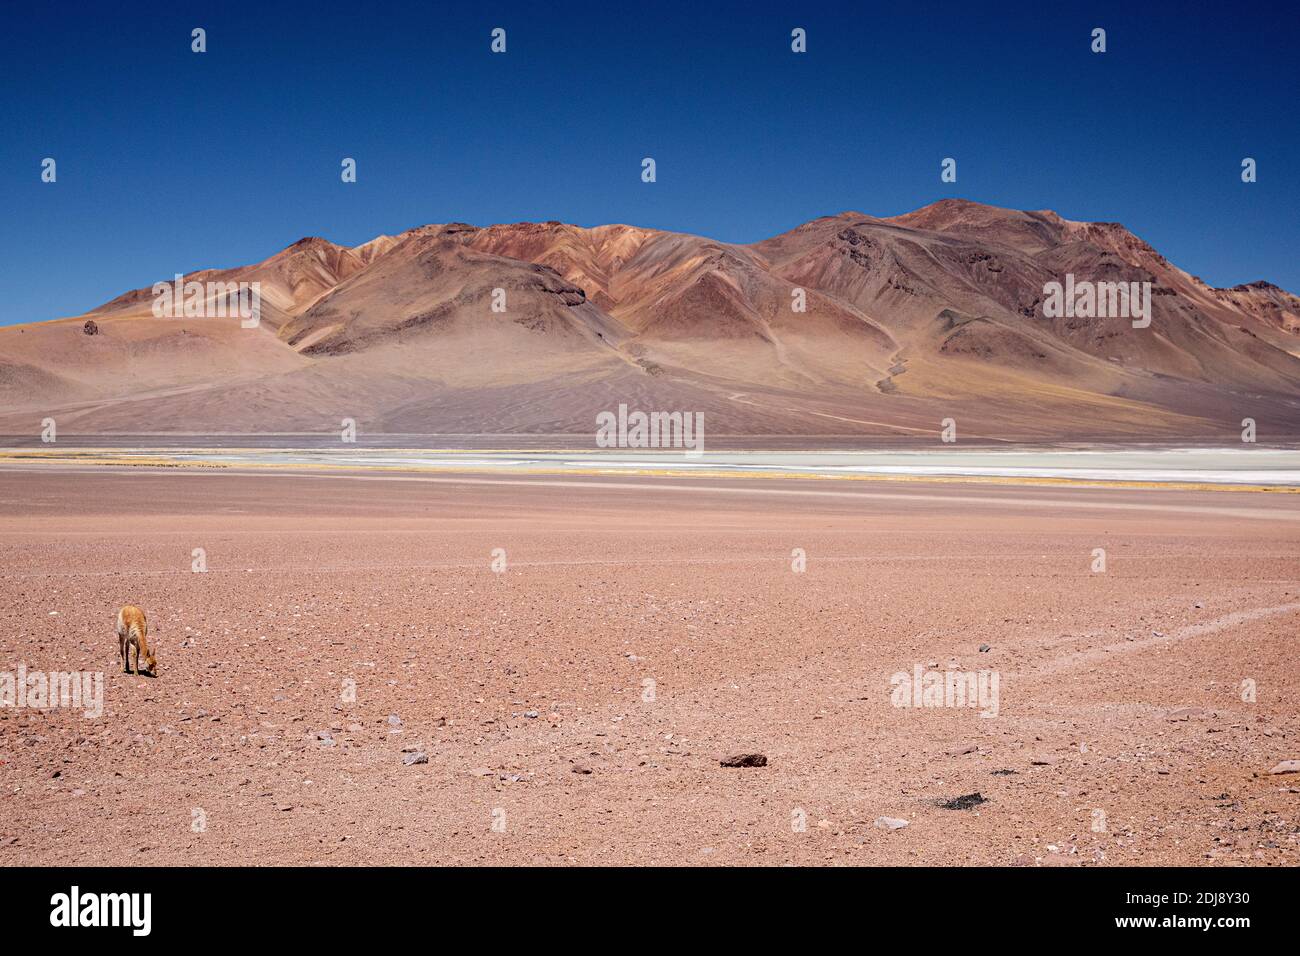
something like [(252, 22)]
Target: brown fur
[(132, 631)]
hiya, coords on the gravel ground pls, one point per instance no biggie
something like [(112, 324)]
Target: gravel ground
[(575, 706)]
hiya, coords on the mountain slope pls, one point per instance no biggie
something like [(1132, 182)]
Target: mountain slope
[(847, 325)]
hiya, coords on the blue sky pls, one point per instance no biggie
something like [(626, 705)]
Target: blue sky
[(173, 161)]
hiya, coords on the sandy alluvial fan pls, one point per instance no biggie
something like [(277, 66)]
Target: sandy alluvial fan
[(908, 320)]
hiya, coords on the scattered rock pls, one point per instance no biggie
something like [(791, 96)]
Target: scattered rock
[(1287, 766), (745, 760), (890, 823), (90, 328), (962, 750), (1183, 713), (419, 756), (581, 768), (1004, 773), (1043, 761), (531, 714), (984, 648)]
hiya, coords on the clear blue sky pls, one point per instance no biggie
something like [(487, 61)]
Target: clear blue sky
[(172, 161)]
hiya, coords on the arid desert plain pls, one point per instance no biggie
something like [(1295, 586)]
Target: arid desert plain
[(392, 667)]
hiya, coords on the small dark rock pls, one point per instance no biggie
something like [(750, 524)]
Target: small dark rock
[(964, 802), (745, 760)]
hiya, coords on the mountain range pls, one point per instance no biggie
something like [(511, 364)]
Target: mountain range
[(908, 320)]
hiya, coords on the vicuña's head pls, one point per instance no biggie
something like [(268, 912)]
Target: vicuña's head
[(151, 664)]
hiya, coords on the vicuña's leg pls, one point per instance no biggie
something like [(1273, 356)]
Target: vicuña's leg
[(122, 652)]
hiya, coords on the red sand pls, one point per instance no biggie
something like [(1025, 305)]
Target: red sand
[(317, 580)]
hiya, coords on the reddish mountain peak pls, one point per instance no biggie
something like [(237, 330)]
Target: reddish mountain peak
[(955, 210), (1261, 292), (1030, 232), (1116, 238), (550, 225), (308, 246)]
